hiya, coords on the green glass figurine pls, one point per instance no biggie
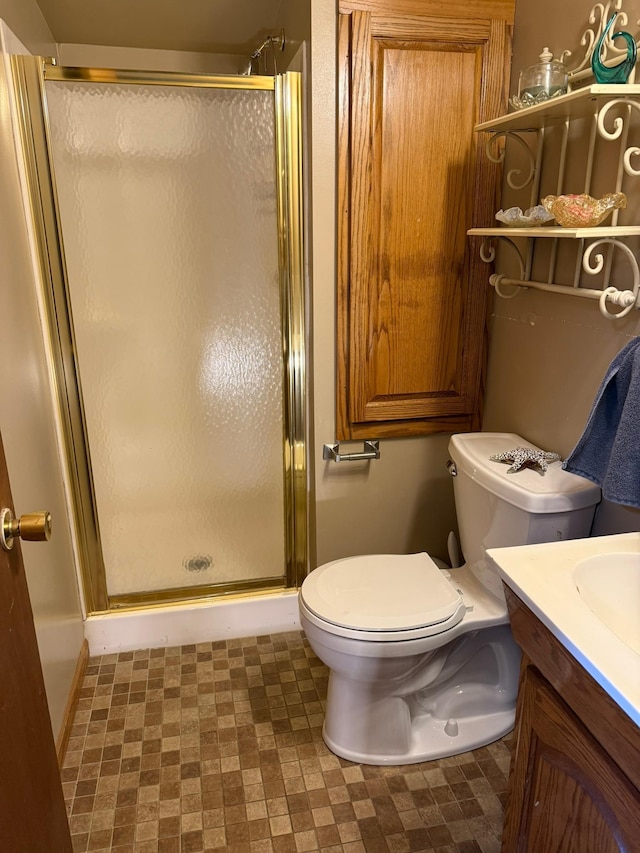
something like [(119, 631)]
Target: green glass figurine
[(618, 73)]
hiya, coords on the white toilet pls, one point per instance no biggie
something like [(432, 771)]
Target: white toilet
[(422, 662)]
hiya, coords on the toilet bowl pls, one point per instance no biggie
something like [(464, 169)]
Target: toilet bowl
[(421, 660)]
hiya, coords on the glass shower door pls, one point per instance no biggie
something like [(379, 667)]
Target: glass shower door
[(167, 199)]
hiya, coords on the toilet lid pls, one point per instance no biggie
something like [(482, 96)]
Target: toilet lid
[(382, 592)]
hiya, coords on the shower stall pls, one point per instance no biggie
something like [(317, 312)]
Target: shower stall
[(167, 210)]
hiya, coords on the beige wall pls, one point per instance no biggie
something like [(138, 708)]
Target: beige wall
[(29, 430), (26, 21), (134, 59), (295, 18), (548, 353)]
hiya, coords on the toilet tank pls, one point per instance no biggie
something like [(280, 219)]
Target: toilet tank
[(496, 509)]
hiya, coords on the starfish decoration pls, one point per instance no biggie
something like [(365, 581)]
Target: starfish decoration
[(525, 457)]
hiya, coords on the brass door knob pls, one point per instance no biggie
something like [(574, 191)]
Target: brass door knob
[(34, 526)]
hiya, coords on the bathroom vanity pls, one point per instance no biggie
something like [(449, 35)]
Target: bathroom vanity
[(575, 773)]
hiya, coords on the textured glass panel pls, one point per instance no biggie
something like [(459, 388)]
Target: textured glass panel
[(168, 209)]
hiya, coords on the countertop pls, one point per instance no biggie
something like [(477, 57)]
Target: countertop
[(542, 577)]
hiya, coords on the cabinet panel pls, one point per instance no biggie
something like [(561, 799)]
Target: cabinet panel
[(411, 352), (411, 301), (566, 795), (599, 713)]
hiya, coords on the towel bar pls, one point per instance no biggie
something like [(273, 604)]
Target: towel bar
[(331, 452)]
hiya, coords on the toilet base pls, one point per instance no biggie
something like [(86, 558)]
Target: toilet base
[(429, 740), (411, 708)]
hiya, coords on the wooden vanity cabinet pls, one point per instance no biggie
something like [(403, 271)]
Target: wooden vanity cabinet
[(414, 77), (574, 785)]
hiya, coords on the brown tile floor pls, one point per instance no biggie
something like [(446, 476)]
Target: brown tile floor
[(218, 747)]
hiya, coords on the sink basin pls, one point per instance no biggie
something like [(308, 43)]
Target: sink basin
[(609, 585), (587, 593)]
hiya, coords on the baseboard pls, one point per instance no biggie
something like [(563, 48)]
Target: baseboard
[(72, 702), (182, 624)]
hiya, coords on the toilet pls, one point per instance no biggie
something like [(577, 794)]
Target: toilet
[(422, 664)]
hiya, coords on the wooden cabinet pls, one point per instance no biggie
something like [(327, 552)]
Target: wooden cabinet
[(575, 776), (412, 301)]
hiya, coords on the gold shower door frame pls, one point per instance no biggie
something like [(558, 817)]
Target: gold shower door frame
[(29, 75)]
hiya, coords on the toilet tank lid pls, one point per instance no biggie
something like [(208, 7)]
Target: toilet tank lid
[(382, 592), (555, 491)]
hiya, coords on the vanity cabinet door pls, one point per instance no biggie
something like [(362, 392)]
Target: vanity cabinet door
[(412, 298), (566, 795)]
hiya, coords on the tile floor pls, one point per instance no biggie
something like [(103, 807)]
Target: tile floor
[(218, 747)]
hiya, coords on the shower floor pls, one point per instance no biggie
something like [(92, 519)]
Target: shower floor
[(203, 552), (218, 747)]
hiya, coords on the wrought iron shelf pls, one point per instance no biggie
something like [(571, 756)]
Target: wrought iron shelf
[(581, 103), (608, 111)]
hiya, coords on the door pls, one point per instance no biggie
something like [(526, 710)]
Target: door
[(32, 810), (176, 315)]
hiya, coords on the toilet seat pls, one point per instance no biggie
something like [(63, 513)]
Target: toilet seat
[(382, 597)]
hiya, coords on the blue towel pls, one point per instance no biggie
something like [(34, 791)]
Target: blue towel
[(608, 451)]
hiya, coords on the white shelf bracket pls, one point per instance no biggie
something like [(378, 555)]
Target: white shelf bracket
[(497, 154), (488, 252)]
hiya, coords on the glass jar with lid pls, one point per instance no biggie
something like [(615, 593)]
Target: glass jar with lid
[(537, 83)]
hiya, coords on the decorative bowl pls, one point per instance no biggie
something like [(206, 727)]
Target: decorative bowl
[(526, 99), (533, 217), (583, 211)]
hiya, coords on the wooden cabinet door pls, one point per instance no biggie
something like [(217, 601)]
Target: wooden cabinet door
[(565, 794), (413, 295)]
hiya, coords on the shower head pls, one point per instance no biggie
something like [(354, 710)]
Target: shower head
[(275, 42)]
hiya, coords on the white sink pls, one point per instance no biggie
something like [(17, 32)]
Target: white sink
[(587, 593), (610, 587)]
